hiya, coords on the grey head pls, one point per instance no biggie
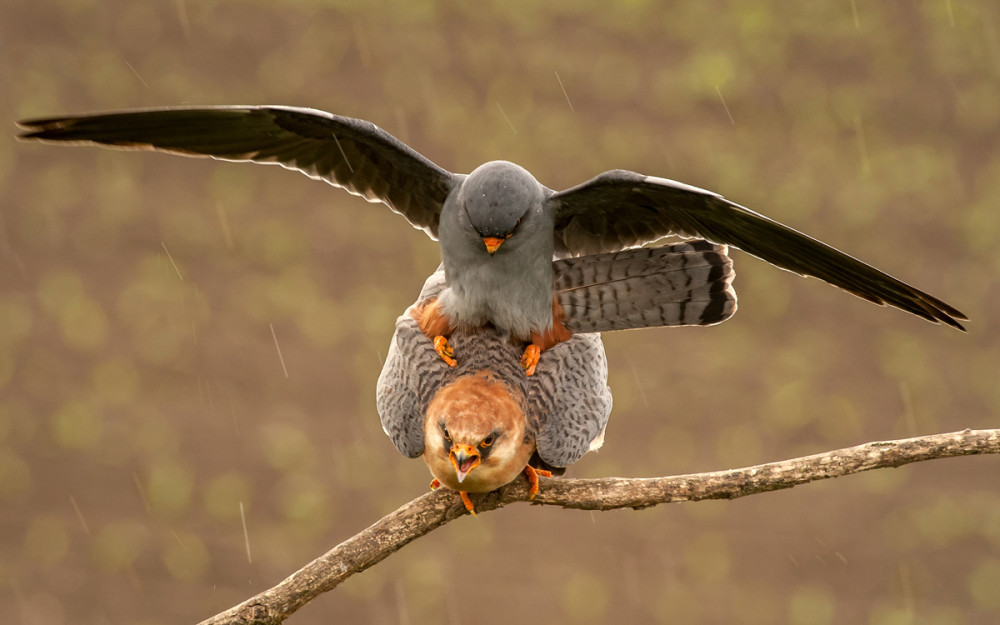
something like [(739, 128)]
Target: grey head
[(497, 196), (497, 245)]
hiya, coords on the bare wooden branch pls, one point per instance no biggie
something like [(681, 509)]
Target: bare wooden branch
[(432, 510)]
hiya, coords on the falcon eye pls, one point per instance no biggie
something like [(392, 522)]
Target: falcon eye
[(488, 440), (447, 436)]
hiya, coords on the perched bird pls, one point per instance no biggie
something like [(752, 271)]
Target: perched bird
[(499, 228), (481, 424)]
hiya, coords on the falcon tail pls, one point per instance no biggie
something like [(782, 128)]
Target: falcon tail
[(674, 285)]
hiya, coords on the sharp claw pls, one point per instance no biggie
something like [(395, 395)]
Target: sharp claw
[(443, 349), (468, 502), (530, 359), (532, 474)]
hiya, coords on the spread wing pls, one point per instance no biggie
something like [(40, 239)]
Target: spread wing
[(352, 154), (621, 209)]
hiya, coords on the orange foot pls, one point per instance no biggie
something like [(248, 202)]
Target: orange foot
[(468, 502), (443, 349), (530, 358), (532, 474)]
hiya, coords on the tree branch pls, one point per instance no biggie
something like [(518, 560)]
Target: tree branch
[(432, 510)]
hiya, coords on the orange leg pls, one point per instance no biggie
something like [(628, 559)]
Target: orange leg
[(468, 502), (547, 339), (532, 474), (436, 327), (443, 349)]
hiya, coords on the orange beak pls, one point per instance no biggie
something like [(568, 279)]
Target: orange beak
[(493, 244), (464, 458)]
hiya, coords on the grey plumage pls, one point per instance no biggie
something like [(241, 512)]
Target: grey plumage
[(509, 288), (512, 289)]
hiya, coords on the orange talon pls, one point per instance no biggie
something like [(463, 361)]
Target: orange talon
[(532, 474), (468, 502), (443, 349), (530, 359), (435, 484)]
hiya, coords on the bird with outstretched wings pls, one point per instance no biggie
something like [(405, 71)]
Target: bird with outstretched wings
[(498, 227)]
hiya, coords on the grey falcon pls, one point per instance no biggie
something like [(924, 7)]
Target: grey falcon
[(482, 423), (499, 228)]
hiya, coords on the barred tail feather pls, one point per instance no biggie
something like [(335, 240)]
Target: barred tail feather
[(687, 283)]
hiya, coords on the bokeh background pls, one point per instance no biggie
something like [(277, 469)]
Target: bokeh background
[(145, 414)]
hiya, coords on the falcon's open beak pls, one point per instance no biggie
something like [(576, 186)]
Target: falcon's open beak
[(493, 243), (464, 458)]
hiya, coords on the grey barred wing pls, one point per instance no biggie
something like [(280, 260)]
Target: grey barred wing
[(622, 209)]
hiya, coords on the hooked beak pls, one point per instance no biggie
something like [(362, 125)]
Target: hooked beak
[(464, 458), (493, 243)]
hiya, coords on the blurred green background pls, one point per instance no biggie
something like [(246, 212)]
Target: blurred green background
[(143, 404)]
